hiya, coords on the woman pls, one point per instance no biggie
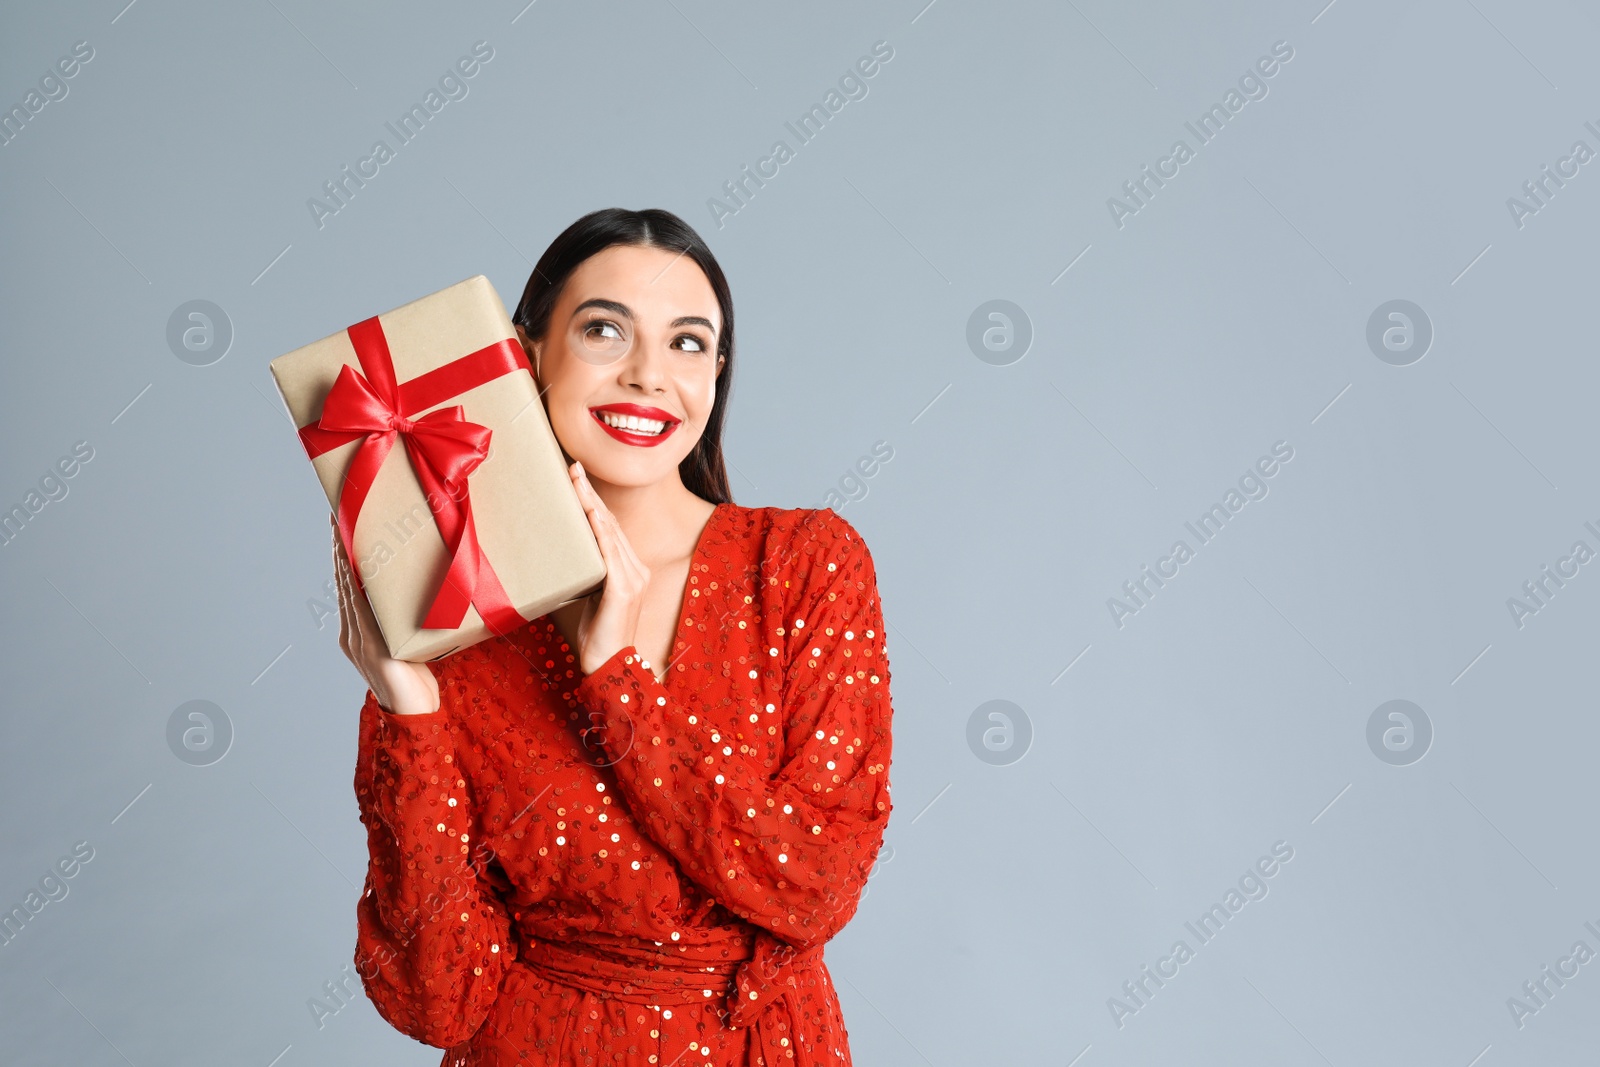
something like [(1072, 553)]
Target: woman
[(622, 834)]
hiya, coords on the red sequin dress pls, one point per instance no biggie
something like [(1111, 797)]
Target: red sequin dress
[(618, 870)]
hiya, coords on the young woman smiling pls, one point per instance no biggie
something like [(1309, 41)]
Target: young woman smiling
[(623, 834)]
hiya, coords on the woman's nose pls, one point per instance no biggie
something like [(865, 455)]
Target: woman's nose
[(645, 367)]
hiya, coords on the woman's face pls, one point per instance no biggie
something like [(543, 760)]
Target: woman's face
[(628, 365)]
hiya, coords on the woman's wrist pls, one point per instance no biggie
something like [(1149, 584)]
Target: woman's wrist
[(401, 708), (627, 647), (411, 690), (417, 711)]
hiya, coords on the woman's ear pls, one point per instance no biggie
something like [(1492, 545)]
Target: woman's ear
[(532, 348)]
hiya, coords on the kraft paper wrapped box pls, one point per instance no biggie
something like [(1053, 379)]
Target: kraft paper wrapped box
[(452, 497)]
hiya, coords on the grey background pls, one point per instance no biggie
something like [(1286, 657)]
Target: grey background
[(1165, 756)]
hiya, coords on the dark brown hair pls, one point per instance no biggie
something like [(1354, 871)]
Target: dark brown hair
[(702, 470)]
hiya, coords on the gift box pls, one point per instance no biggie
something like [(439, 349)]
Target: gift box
[(471, 528)]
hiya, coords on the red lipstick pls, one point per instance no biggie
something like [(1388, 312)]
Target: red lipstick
[(635, 437)]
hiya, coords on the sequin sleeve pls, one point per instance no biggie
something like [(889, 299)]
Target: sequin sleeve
[(433, 939), (788, 851)]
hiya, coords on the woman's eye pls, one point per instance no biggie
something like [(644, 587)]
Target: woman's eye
[(603, 326), (692, 343)]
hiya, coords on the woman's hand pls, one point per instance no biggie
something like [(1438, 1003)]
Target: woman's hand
[(610, 619), (401, 687)]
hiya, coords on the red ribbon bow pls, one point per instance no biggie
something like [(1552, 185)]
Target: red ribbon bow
[(444, 449)]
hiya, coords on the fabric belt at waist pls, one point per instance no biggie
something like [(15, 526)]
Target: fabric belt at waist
[(746, 969), (638, 970)]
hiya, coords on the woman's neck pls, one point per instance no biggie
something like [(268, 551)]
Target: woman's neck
[(662, 521)]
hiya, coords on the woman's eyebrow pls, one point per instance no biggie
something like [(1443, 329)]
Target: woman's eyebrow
[(626, 312), (609, 305)]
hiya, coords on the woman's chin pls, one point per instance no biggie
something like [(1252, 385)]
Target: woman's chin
[(632, 472)]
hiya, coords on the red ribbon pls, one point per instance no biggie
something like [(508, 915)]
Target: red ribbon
[(444, 450)]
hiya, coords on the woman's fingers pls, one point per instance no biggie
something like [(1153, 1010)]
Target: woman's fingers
[(402, 687), (627, 550), (339, 585), (600, 518), (610, 620), (358, 626), (350, 622), (622, 562), (592, 504)]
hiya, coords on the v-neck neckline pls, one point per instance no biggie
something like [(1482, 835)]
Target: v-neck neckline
[(700, 546)]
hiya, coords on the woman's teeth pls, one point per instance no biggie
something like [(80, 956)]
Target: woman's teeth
[(632, 423)]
